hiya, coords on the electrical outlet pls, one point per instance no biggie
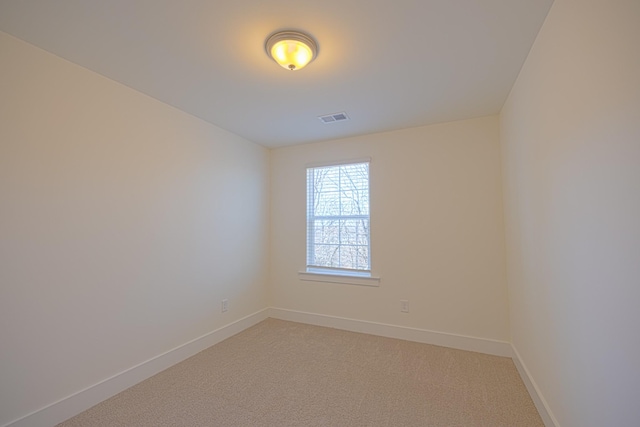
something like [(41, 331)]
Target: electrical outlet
[(404, 306), (225, 305)]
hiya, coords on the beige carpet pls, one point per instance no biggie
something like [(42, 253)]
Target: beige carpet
[(281, 373)]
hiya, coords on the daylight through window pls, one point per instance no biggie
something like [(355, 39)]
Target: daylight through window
[(338, 218)]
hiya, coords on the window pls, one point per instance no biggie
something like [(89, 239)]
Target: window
[(338, 238)]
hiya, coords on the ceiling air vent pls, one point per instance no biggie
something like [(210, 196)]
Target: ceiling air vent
[(337, 117)]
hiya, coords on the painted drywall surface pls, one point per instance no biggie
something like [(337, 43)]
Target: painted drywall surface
[(436, 228), (571, 142), (124, 224)]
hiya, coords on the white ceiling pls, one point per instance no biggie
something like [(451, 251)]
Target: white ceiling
[(388, 64)]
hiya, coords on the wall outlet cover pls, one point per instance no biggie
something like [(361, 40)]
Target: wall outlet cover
[(404, 306)]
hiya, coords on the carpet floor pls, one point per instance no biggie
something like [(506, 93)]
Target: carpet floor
[(280, 373)]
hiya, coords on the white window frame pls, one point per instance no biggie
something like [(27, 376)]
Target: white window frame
[(332, 274)]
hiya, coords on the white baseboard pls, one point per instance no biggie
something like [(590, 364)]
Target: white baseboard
[(540, 402), (461, 342), (84, 399)]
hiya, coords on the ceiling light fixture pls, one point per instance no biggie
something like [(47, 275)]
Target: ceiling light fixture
[(291, 49)]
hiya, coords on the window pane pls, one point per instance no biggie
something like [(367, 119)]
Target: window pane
[(354, 202), (327, 231), (363, 232), (363, 257), (327, 204), (326, 180), (354, 257), (349, 257), (327, 255), (354, 177), (349, 232)]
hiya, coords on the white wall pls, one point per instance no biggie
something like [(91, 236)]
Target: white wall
[(436, 227), (124, 222), (571, 142)]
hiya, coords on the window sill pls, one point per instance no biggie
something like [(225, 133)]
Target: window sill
[(339, 278)]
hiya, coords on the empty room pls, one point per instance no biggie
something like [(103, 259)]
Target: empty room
[(337, 213)]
